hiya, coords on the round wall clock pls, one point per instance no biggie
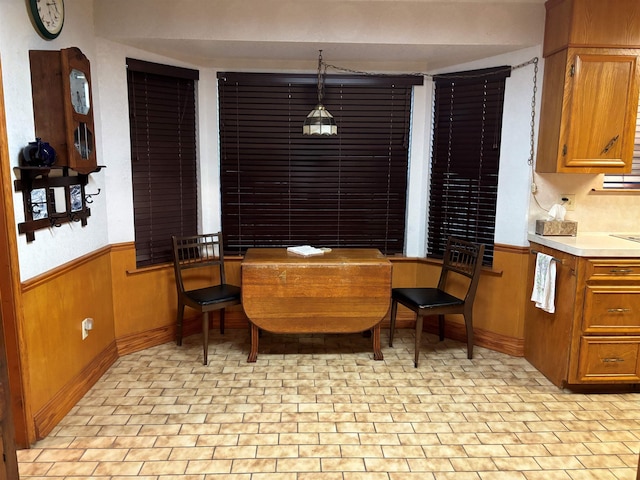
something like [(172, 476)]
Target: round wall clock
[(48, 16)]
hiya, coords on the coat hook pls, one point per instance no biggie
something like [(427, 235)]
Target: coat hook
[(88, 196)]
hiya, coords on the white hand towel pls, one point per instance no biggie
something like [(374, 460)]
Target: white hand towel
[(544, 283)]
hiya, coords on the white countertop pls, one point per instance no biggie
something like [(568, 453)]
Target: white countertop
[(590, 244)]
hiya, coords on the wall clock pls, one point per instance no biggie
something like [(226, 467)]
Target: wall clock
[(63, 106), (48, 16)]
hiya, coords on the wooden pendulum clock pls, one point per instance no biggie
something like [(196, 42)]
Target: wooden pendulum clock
[(54, 193), (63, 106)]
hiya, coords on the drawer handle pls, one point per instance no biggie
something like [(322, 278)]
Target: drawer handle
[(618, 310), (613, 360), (623, 271)]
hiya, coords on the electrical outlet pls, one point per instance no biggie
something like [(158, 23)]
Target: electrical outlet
[(568, 201), (87, 324)]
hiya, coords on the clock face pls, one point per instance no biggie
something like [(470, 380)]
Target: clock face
[(79, 91), (48, 16)]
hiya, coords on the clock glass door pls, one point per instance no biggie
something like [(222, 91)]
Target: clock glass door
[(83, 140), (79, 90)]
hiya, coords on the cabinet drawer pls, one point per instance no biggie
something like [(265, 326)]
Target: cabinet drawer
[(615, 269), (611, 310), (609, 359)]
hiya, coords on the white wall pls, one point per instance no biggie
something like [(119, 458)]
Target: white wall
[(111, 221), (54, 246)]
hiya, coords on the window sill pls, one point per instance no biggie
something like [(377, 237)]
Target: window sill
[(615, 191)]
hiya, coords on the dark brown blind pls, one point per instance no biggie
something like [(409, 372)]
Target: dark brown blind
[(281, 188), (163, 157), (628, 181), (466, 158)]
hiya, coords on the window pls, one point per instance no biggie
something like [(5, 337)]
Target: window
[(280, 188), (465, 158), (163, 157), (629, 181)]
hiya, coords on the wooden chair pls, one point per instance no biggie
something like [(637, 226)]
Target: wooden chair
[(203, 257), (461, 258)]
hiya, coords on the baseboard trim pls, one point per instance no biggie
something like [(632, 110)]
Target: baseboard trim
[(238, 320), (67, 397), (481, 338), (149, 338)]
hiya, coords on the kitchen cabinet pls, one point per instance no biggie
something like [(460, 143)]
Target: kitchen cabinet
[(591, 23), (590, 87), (588, 111), (593, 338)]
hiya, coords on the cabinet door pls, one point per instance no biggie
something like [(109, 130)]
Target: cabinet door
[(599, 127)]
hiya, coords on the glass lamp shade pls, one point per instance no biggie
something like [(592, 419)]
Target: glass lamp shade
[(319, 122)]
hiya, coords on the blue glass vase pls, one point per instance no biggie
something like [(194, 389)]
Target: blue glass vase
[(39, 154)]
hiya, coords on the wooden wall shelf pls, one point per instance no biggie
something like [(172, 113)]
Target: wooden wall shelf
[(52, 196)]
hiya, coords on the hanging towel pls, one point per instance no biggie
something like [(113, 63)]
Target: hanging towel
[(544, 283)]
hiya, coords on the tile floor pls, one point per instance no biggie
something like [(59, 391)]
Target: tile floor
[(318, 407)]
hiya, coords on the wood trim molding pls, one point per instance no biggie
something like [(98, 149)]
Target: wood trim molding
[(238, 320), (482, 338), (16, 429), (142, 340), (64, 268), (65, 399), (514, 249)]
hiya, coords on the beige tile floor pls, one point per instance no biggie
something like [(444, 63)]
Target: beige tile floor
[(318, 407)]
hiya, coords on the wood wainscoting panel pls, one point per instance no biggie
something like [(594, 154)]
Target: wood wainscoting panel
[(55, 303), (498, 312), (145, 302)]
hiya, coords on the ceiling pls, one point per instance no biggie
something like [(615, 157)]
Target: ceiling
[(389, 35)]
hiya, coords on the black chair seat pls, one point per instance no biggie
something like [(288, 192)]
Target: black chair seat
[(425, 298), (215, 294)]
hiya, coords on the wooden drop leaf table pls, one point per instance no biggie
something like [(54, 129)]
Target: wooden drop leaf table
[(346, 290)]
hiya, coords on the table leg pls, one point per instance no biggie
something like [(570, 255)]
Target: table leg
[(377, 351), (253, 354)]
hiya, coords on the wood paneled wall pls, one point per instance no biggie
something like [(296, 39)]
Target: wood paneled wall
[(135, 309), (55, 357)]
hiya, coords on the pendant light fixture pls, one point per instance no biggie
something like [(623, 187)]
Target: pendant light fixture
[(320, 121)]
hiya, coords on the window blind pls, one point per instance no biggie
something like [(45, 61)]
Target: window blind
[(163, 157), (465, 158), (628, 181), (281, 188)]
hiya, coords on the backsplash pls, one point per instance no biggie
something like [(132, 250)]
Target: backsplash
[(595, 210)]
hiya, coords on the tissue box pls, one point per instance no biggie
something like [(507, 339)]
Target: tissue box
[(556, 227)]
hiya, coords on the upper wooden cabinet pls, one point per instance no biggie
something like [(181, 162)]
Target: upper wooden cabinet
[(588, 111), (590, 91), (591, 23)]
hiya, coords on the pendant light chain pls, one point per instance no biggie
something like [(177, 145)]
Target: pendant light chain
[(320, 121), (320, 78)]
